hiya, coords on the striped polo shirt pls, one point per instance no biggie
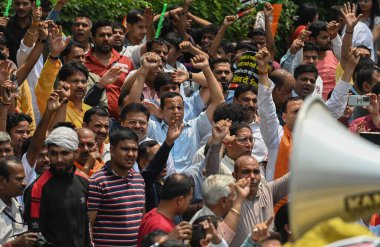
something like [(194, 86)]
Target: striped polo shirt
[(119, 202)]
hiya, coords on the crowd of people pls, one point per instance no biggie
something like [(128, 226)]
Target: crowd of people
[(110, 136)]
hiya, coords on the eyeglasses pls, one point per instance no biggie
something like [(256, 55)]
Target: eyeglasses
[(135, 122), (244, 139)]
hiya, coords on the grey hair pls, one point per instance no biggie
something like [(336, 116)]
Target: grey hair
[(216, 187)]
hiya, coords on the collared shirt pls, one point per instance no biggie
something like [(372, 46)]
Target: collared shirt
[(75, 116), (260, 208), (9, 228), (14, 34), (187, 144), (113, 90), (119, 202)]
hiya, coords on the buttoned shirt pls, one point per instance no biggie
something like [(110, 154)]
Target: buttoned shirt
[(187, 144), (8, 216)]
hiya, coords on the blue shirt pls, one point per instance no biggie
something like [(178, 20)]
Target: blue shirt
[(187, 144)]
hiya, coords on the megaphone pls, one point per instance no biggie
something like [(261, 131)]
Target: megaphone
[(334, 172)]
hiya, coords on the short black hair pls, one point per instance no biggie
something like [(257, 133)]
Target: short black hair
[(214, 62), (13, 119), (70, 46), (292, 99), (316, 27), (173, 243), (143, 150), (176, 185), (211, 29), (169, 95), (310, 46), (122, 134), (159, 41), (249, 46), (134, 107), (98, 111), (256, 32), (236, 126), (243, 88), (117, 25), (132, 16), (4, 168), (306, 13), (233, 112), (227, 46), (163, 79), (98, 25), (363, 72), (305, 68), (149, 239), (174, 39), (71, 68)]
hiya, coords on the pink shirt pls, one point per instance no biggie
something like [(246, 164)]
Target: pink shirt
[(327, 69)]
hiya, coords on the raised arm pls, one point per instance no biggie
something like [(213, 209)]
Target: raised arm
[(53, 104), (219, 132), (24, 69), (348, 12), (200, 21), (158, 163), (64, 94), (150, 62), (333, 29), (338, 100), (216, 93), (31, 35), (268, 12), (228, 21), (287, 60), (182, 23)]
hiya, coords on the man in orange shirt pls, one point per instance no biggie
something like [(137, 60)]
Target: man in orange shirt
[(89, 159)]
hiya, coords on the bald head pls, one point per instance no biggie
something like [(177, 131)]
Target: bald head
[(245, 159), (84, 132), (87, 144), (247, 167), (284, 85)]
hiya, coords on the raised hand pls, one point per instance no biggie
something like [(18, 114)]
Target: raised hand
[(7, 90), (182, 231), (260, 231), (110, 76), (57, 42), (64, 91), (296, 46), (208, 226), (262, 58), (53, 103), (304, 35), (242, 187), (151, 62), (180, 76), (148, 16), (353, 56), (186, 46), (153, 108), (373, 107), (43, 30), (200, 62), (349, 14), (5, 70), (268, 9), (221, 130), (174, 131), (4, 21), (229, 20), (333, 28)]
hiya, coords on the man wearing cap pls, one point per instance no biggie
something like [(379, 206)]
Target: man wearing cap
[(55, 204)]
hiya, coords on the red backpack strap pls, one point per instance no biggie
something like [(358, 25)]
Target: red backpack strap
[(36, 198)]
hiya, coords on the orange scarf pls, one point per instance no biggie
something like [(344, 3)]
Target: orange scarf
[(98, 165), (282, 162)]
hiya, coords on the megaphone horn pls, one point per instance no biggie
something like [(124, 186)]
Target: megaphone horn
[(334, 172)]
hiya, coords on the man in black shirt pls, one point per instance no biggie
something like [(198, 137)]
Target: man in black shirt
[(55, 204), (18, 25)]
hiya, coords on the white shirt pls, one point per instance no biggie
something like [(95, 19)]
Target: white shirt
[(9, 228), (22, 54), (259, 150)]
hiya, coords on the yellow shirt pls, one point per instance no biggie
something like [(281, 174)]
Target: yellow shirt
[(24, 103), (339, 73), (74, 116)]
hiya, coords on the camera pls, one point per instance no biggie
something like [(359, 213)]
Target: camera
[(358, 100), (42, 242)]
